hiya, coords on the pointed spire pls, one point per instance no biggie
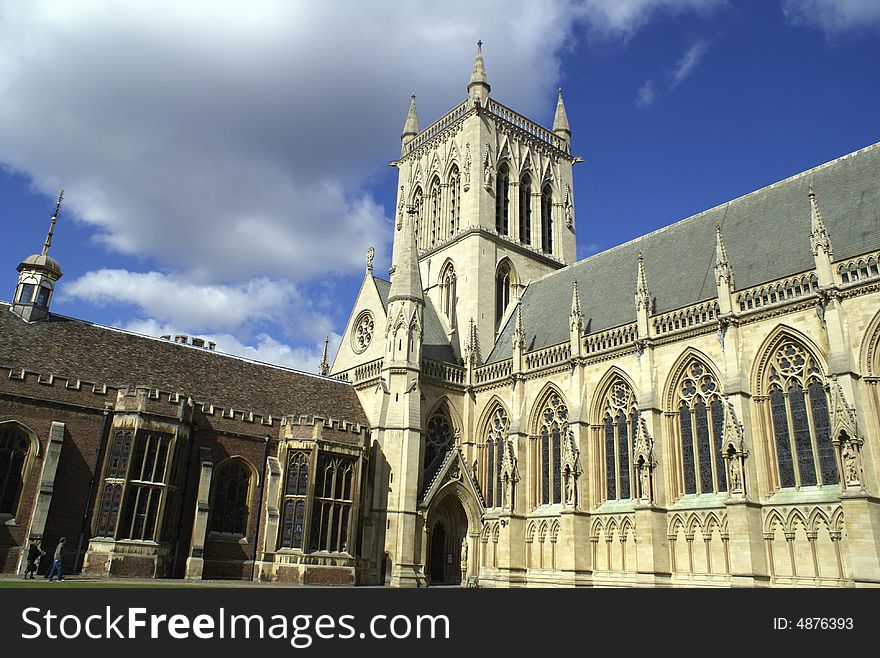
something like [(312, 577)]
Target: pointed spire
[(411, 125), (576, 316), (48, 243), (478, 88), (723, 268), (519, 334), (407, 281), (643, 293), (472, 345), (560, 120), (819, 237), (325, 365)]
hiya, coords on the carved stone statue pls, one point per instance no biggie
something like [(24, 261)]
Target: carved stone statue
[(735, 474), (464, 550), (645, 482), (508, 492), (466, 173), (569, 488), (850, 464), (400, 206)]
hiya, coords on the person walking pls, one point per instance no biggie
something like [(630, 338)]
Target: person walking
[(33, 559), (56, 564)]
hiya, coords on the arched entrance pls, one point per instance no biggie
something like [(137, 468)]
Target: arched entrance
[(447, 531)]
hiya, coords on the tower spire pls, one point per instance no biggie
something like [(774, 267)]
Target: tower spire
[(643, 293), (478, 87), (560, 119), (407, 281), (576, 316), (411, 125), (325, 365), (48, 243)]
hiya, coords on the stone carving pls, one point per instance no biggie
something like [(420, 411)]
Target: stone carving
[(371, 253), (568, 208), (488, 169), (466, 171), (509, 474), (571, 470), (733, 439), (850, 464), (845, 433), (464, 550), (400, 207), (645, 462)]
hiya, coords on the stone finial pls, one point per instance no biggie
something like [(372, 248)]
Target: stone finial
[(576, 316), (519, 334), (48, 243), (560, 120), (472, 345), (478, 87), (371, 253), (819, 238), (325, 364), (411, 125), (723, 268), (643, 293)]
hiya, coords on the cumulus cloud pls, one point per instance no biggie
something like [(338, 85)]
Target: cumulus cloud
[(834, 16), (616, 19)]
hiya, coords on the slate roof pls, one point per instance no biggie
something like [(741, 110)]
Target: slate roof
[(435, 343), (77, 349), (766, 233)]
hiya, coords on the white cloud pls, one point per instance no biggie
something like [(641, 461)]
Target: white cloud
[(617, 19), (647, 94), (688, 62), (202, 307), (263, 347), (834, 16)]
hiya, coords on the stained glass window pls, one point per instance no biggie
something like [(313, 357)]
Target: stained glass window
[(701, 426)]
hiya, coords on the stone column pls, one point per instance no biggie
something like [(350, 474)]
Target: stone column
[(270, 532), (195, 562), (46, 488), (513, 223), (861, 517)]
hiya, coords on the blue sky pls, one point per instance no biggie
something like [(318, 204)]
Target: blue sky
[(225, 163)]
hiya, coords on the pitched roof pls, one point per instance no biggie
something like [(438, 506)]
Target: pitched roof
[(81, 350), (435, 344), (766, 232)]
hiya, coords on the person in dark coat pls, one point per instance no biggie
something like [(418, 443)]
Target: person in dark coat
[(56, 565), (33, 559)]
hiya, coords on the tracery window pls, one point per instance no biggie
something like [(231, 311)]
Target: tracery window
[(502, 291), (293, 506), (700, 426), (448, 291), (800, 418), (525, 210), (502, 200), (364, 326), (14, 447), (547, 219), (333, 501), (495, 434), (229, 508), (454, 201), (438, 441), (145, 487), (553, 425), (619, 427)]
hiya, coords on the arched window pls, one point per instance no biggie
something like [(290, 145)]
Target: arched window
[(525, 210), (447, 291), (438, 441), (502, 200), (552, 426), (334, 496), (502, 291), (800, 418), (229, 509), (701, 426), (495, 434), (434, 236), (620, 419), (293, 507), (547, 219), (14, 447), (454, 201)]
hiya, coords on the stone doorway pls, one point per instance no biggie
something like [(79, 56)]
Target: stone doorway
[(447, 530)]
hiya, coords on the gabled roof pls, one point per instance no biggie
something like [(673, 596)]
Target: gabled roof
[(767, 235), (75, 349)]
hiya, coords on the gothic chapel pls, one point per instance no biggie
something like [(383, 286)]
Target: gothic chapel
[(625, 419), (697, 407)]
